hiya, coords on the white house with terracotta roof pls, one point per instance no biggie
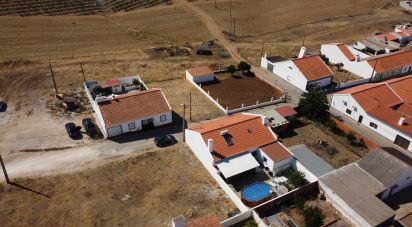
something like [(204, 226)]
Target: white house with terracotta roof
[(304, 72), (200, 75), (377, 68), (385, 108), (237, 144), (129, 110)]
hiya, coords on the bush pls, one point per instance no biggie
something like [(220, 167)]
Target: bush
[(331, 124), (231, 69), (244, 66), (350, 136), (296, 178), (299, 203), (314, 105), (362, 143), (251, 223), (313, 216)]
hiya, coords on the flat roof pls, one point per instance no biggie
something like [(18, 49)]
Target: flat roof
[(236, 165), (275, 59), (358, 189), (311, 161)]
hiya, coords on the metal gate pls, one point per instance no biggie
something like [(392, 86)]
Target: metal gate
[(402, 142)]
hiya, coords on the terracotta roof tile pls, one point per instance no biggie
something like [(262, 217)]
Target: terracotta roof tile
[(247, 132), (209, 220), (391, 117), (403, 87), (200, 71), (313, 68), (132, 106), (276, 151), (286, 111), (345, 50), (378, 95), (392, 61)]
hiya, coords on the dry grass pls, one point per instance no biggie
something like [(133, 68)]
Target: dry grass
[(343, 76), (147, 190), (308, 133)]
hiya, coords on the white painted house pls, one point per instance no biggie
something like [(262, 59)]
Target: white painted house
[(237, 144), (357, 190), (200, 75), (376, 68), (304, 72), (385, 108), (128, 110)]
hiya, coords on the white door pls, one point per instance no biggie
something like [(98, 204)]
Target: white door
[(114, 131)]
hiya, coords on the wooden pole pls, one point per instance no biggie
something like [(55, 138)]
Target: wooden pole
[(230, 27), (183, 122), (190, 106), (230, 9), (234, 26), (84, 78), (261, 51), (4, 170), (54, 81)]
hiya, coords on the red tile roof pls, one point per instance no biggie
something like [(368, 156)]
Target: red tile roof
[(276, 151), (109, 83), (387, 101), (286, 111), (200, 71), (133, 106), (313, 68), (248, 132), (209, 220), (391, 61), (345, 50)]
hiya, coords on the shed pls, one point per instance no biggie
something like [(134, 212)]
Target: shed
[(200, 75)]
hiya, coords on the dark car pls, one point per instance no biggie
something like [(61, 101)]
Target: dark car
[(72, 130), (89, 126), (3, 105), (164, 141)]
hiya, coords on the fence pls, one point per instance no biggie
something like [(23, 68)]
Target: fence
[(351, 84), (242, 108)]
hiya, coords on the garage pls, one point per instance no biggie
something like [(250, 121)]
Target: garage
[(114, 131)]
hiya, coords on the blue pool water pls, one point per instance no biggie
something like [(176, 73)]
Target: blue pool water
[(256, 192)]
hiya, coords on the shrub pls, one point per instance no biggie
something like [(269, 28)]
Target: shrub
[(231, 69), (244, 66), (314, 105), (331, 124), (350, 136), (314, 216), (296, 178), (251, 223), (299, 203), (362, 143)]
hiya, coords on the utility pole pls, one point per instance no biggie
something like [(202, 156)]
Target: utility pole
[(261, 51), (234, 26), (230, 27), (183, 122), (4, 170), (230, 9), (84, 78), (190, 106), (54, 81)]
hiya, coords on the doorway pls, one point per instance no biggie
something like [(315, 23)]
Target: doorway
[(402, 142), (360, 119)]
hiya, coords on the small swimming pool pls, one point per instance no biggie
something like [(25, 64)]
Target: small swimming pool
[(256, 193)]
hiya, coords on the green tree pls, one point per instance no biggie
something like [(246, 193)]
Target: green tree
[(244, 66), (350, 136), (98, 90), (314, 105), (299, 203), (231, 69), (340, 66), (136, 82), (314, 217), (251, 223), (362, 143), (297, 179)]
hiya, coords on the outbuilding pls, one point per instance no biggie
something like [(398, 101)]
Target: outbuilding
[(200, 75)]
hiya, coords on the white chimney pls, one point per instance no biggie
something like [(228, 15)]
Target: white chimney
[(302, 52), (358, 58), (179, 221), (210, 145), (401, 121), (265, 121)]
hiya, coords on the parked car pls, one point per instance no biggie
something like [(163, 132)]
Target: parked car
[(164, 141), (3, 105), (89, 126), (72, 130)]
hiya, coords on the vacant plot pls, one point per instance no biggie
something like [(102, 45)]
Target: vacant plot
[(343, 76), (234, 90), (338, 153), (147, 190)]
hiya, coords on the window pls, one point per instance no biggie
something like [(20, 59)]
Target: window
[(162, 118), (265, 160), (348, 111), (132, 126), (373, 125), (345, 103), (355, 109), (228, 139)]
